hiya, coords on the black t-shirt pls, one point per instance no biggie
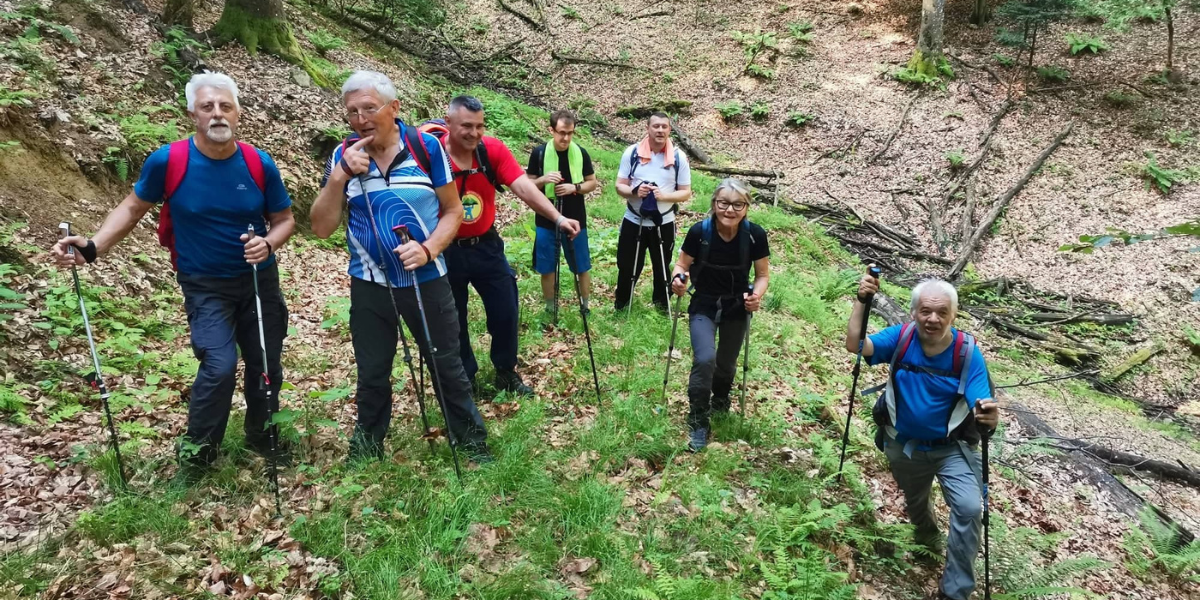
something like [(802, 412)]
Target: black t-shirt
[(572, 206), (721, 285)]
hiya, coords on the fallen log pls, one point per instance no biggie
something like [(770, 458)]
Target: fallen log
[(1134, 360), (583, 60), (669, 107), (686, 143), (1165, 470), (1002, 203), (1096, 471), (1062, 319), (520, 15), (892, 136), (740, 172), (889, 309), (968, 212)]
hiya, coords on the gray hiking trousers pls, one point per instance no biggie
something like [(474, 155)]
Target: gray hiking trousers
[(961, 488)]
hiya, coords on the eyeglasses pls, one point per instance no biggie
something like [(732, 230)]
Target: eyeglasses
[(736, 206), (365, 113)]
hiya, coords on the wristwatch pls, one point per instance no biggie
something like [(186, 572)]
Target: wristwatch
[(578, 188)]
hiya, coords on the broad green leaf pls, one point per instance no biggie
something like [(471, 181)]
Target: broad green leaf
[(13, 306), (283, 417)]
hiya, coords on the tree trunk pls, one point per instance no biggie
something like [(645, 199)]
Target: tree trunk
[(982, 13), (179, 13), (1171, 75), (929, 44), (258, 24)]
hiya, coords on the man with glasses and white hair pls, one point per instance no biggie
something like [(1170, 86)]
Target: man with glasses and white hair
[(216, 186), (389, 175), (935, 408)]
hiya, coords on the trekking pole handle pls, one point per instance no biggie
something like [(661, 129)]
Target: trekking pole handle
[(250, 231), (401, 231), (874, 271), (682, 277), (64, 230)]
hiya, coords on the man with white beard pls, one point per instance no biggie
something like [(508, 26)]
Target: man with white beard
[(216, 187)]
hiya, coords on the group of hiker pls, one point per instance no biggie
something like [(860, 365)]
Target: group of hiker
[(421, 230)]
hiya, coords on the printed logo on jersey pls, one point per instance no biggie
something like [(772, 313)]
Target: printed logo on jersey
[(241, 187), (472, 207)]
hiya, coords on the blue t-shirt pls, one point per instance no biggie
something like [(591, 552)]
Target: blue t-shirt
[(405, 196), (925, 400), (210, 210)]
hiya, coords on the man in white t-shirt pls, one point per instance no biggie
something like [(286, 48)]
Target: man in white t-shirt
[(654, 177)]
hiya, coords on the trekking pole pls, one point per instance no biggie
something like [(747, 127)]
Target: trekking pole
[(662, 256), (987, 558), (873, 271), (674, 329), (430, 433), (583, 312), (402, 232), (64, 230), (637, 257), (557, 260), (745, 364), (265, 384)]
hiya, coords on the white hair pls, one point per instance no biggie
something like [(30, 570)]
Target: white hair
[(209, 79), (935, 286), (370, 80)]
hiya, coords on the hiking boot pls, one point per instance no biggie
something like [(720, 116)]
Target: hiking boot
[(509, 381), (262, 447), (698, 439), (479, 453), (363, 449), (720, 404)]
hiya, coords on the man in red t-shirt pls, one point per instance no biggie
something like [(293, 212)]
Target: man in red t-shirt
[(481, 164)]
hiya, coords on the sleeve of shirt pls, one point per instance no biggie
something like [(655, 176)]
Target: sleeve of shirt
[(978, 387), (587, 164), (152, 180), (691, 243), (885, 345), (507, 168), (438, 163), (623, 168), (276, 192), (685, 170), (535, 162), (331, 164), (759, 249)]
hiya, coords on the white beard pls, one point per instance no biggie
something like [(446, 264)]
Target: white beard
[(219, 136)]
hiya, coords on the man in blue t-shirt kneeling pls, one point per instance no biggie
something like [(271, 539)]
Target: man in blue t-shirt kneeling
[(936, 405), (216, 188)]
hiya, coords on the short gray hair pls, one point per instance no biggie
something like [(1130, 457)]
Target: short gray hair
[(734, 185), (934, 285), (210, 79), (471, 103), (370, 80)]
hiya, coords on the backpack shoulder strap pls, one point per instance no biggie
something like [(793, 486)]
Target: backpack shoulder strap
[(416, 147), (255, 165), (485, 165), (706, 233), (177, 164), (633, 161), (906, 337), (677, 166), (964, 353)]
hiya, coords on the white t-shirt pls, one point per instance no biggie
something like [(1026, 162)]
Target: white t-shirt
[(654, 172)]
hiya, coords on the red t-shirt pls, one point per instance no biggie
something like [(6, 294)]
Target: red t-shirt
[(478, 195)]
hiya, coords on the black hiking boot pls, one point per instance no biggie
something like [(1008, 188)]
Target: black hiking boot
[(479, 453), (698, 439), (509, 381)]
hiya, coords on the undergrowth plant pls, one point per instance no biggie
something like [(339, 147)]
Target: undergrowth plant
[(176, 41), (1161, 178), (731, 111), (754, 45), (324, 41), (1022, 565), (1155, 546), (1053, 74), (1081, 42)]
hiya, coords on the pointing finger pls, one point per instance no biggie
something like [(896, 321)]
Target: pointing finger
[(362, 142)]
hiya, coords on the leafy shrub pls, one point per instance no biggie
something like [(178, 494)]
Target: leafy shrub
[(916, 77), (143, 136), (1162, 178), (114, 157), (1119, 99), (801, 31), (760, 71), (324, 41), (1053, 74), (797, 119), (956, 158), (1179, 139), (759, 111), (1156, 546), (731, 111), (1081, 42), (754, 45), (1007, 37), (16, 97), (1004, 60)]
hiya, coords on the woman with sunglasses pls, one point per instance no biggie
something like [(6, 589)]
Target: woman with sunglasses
[(715, 260)]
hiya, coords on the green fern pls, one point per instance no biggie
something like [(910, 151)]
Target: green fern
[(1156, 546), (1019, 564)]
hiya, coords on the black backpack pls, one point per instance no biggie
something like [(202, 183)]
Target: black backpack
[(707, 228)]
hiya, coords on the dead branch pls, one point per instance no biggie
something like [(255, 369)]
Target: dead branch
[(968, 212), (892, 136), (979, 68), (1050, 380), (1002, 203), (897, 251), (842, 151), (686, 143), (584, 60), (520, 15), (1089, 316), (657, 13), (1162, 469)]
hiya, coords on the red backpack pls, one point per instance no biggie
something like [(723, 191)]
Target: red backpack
[(177, 163)]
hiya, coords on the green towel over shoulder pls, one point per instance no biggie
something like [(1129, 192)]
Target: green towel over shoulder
[(550, 164)]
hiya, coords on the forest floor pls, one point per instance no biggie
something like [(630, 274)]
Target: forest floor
[(587, 499)]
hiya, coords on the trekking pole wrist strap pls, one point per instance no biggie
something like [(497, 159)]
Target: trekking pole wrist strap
[(559, 221), (270, 248), (866, 300), (428, 255), (88, 251)]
